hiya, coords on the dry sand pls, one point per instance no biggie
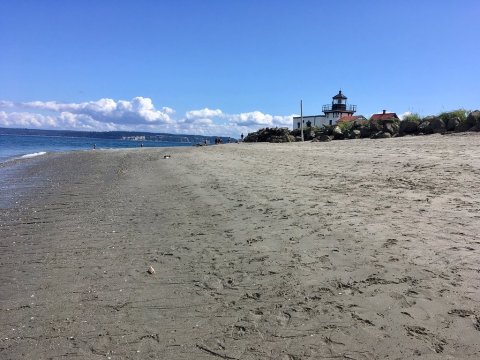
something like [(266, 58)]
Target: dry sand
[(362, 249)]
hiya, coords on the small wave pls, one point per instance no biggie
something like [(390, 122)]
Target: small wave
[(33, 155)]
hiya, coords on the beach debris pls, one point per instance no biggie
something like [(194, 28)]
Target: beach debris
[(167, 156), (214, 353), (151, 270)]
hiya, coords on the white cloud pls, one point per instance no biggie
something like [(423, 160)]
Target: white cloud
[(25, 119), (138, 114), (64, 120), (135, 111), (168, 110), (257, 118), (210, 121), (84, 122), (203, 113)]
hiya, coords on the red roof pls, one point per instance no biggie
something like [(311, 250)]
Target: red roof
[(384, 116)]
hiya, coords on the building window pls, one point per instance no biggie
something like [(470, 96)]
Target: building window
[(298, 124), (330, 122)]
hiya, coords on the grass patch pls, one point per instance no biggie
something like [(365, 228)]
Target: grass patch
[(412, 117), (346, 125), (459, 113)]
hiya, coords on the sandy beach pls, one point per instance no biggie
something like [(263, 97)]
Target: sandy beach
[(360, 249)]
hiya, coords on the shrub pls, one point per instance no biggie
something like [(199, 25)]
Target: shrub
[(412, 117), (460, 113), (346, 125)]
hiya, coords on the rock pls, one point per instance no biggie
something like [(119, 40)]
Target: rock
[(328, 129), (151, 270), (462, 127), (473, 118), (475, 128), (432, 125), (365, 132), (381, 135), (354, 134), (319, 131), (424, 126), (336, 130), (408, 127), (337, 133), (375, 126), (385, 135), (390, 126), (324, 138), (276, 135), (437, 126), (452, 123)]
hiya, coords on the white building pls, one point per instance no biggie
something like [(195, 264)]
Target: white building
[(315, 120), (332, 113)]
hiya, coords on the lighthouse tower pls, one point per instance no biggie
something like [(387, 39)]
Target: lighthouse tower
[(338, 108)]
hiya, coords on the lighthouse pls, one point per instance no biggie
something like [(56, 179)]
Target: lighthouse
[(333, 112), (338, 109)]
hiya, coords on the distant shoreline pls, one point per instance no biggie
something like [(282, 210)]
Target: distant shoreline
[(116, 135)]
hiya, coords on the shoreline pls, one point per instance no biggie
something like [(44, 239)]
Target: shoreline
[(358, 249), (18, 146)]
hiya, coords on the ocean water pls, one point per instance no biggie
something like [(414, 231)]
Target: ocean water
[(21, 146), (12, 190)]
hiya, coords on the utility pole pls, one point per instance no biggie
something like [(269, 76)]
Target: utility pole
[(301, 118)]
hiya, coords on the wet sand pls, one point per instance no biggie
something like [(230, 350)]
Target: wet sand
[(361, 249)]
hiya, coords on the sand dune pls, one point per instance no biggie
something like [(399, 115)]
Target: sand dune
[(361, 249)]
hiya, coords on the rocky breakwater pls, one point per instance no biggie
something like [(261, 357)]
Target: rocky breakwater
[(358, 129), (447, 122), (273, 135), (455, 121)]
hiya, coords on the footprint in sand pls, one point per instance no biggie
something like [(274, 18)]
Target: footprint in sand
[(423, 334), (389, 243), (283, 318), (461, 312)]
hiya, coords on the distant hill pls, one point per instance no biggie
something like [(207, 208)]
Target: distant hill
[(117, 135)]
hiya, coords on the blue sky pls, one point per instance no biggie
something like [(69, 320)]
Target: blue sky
[(226, 67)]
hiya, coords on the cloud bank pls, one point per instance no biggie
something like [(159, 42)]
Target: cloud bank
[(138, 114)]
